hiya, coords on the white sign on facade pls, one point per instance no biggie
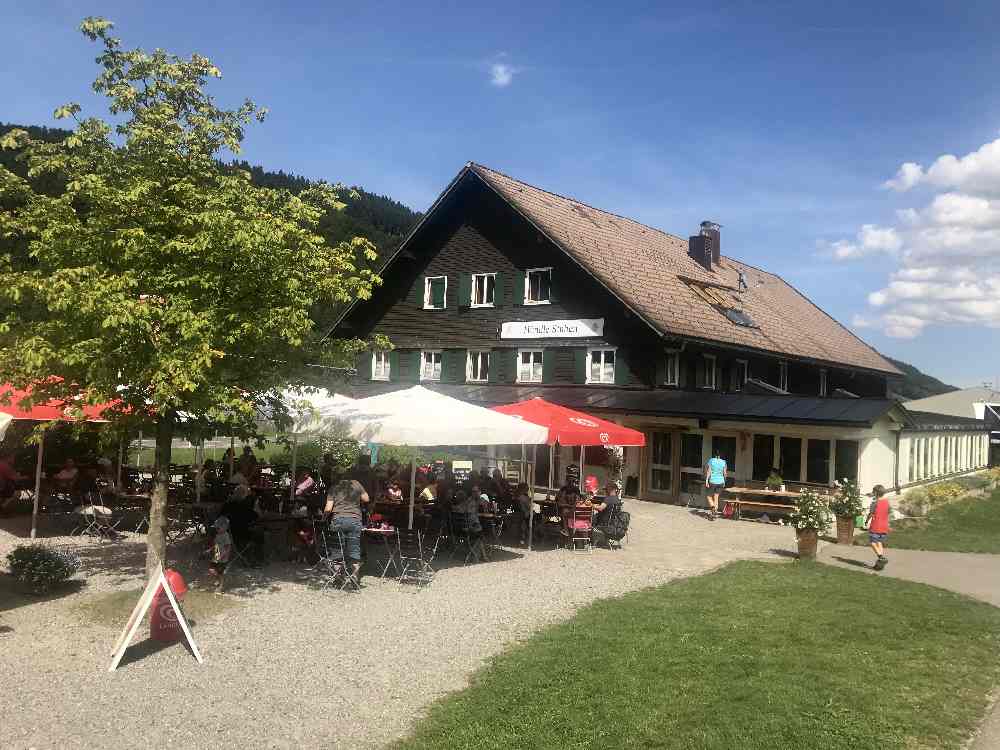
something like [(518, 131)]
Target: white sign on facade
[(554, 329)]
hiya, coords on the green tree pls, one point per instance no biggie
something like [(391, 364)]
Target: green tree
[(157, 277)]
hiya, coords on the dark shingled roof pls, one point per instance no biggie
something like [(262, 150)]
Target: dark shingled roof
[(926, 420), (649, 270)]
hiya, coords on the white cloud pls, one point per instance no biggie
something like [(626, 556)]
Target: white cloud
[(870, 240), (948, 250), (502, 74)]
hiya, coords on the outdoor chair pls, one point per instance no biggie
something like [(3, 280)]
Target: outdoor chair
[(96, 520), (332, 564), (579, 525), (415, 556), (464, 538)]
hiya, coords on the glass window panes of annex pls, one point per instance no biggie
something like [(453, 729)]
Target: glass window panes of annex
[(724, 447), (818, 461), (430, 365), (790, 459), (661, 462), (538, 285), (692, 468), (529, 366), (435, 291), (478, 370), (763, 456), (602, 366), (846, 460), (483, 289)]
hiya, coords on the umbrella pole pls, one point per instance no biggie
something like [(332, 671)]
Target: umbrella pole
[(413, 488), (38, 486), (552, 465), (583, 455), (138, 453), (291, 486), (531, 496), (121, 460)]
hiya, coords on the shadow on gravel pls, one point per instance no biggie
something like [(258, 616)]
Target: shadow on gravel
[(13, 596), (143, 649)]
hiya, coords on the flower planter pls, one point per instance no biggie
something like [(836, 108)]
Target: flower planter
[(845, 530), (808, 539)]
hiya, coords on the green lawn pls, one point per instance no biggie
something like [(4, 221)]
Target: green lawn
[(757, 655), (970, 525)]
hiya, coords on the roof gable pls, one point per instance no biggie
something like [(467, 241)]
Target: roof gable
[(649, 271)]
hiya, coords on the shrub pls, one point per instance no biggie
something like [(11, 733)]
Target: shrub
[(40, 567), (811, 512), (915, 502), (345, 452), (847, 499), (944, 492), (974, 482)]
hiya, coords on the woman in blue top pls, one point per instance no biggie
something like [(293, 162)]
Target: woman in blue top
[(715, 481)]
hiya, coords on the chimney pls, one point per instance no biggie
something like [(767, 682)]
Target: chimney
[(704, 246)]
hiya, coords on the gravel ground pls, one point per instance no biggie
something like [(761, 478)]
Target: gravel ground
[(294, 666)]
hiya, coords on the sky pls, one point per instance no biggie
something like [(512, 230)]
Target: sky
[(852, 148)]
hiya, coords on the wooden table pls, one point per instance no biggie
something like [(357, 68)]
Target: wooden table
[(785, 501)]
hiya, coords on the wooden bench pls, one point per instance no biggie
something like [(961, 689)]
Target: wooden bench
[(784, 501), (739, 504)]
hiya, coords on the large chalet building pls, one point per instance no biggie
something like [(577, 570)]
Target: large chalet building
[(505, 291)]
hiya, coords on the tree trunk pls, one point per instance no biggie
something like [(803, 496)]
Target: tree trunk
[(156, 540)]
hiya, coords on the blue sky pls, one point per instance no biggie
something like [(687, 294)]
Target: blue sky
[(781, 121)]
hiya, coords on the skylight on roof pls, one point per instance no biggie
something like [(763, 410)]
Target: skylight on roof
[(725, 303), (739, 317)]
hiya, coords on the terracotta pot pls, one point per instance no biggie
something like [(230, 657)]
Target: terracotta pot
[(807, 543), (845, 530)]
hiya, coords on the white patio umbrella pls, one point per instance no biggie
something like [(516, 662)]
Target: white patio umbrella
[(420, 417)]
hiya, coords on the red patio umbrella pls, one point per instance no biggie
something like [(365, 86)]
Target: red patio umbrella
[(50, 411), (569, 427)]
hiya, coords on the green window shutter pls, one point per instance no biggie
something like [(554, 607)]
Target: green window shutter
[(622, 374), (465, 290), (437, 292), (413, 359), (459, 360), (579, 365), (548, 365), (496, 356), (418, 291), (363, 364), (510, 365), (498, 291), (518, 291), (394, 365)]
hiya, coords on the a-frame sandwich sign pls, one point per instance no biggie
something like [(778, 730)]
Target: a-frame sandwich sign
[(141, 607)]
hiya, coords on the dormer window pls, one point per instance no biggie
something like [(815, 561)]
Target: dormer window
[(483, 289), (671, 375), (708, 372), (741, 372), (783, 376), (538, 286), (822, 382), (435, 292)]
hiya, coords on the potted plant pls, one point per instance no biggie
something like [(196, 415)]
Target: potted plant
[(38, 568), (774, 481), (810, 519), (846, 505)]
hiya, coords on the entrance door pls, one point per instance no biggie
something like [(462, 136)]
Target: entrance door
[(660, 479), (692, 469)]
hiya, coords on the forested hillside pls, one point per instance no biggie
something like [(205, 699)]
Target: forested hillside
[(916, 384), (381, 219)]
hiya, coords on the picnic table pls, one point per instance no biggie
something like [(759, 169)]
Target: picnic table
[(784, 500)]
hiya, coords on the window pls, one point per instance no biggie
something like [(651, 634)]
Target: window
[(538, 286), (672, 371), (601, 366), (818, 461), (790, 459), (708, 372), (435, 292), (692, 464), (483, 289), (822, 382), (740, 375), (430, 364), (846, 460), (725, 448), (660, 462), (478, 368), (529, 366), (783, 376), (380, 365), (763, 456)]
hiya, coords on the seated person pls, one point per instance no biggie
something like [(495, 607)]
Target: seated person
[(67, 476), (522, 500), (394, 493), (241, 517), (9, 477), (86, 486), (466, 505), (305, 484), (604, 508), (239, 486), (206, 481), (429, 493)]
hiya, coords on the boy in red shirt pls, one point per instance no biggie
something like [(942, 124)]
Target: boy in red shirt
[(878, 525)]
